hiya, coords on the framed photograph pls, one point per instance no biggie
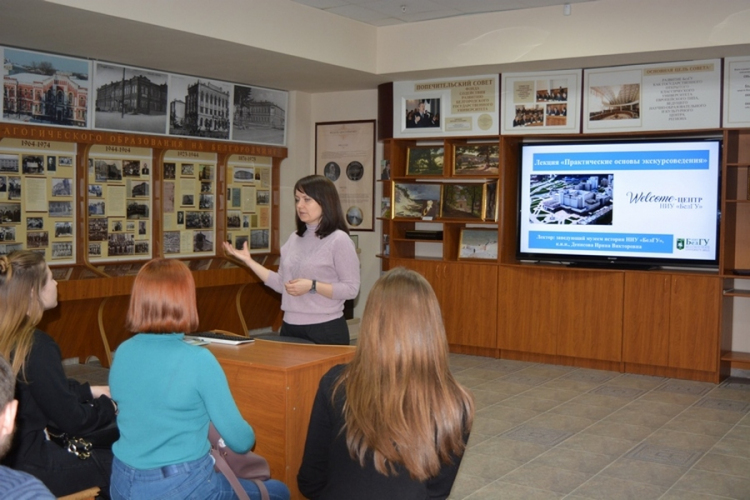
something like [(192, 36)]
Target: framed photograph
[(478, 244), (416, 199), (345, 154), (463, 201), (385, 208), (425, 160), (476, 159), (490, 201)]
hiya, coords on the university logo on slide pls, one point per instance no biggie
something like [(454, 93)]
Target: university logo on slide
[(680, 244)]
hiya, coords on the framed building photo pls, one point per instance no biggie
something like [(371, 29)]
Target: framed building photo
[(478, 244), (416, 199), (463, 201), (425, 160), (476, 159)]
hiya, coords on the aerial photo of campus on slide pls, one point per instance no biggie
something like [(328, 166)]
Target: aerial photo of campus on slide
[(569, 199)]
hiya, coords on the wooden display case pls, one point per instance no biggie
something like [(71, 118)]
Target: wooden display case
[(93, 295), (672, 322)]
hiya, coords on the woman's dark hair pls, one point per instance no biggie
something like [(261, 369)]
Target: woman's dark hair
[(322, 190)]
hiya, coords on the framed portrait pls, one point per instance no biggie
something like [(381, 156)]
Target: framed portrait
[(425, 160), (490, 201), (345, 154), (478, 244), (476, 159), (416, 199), (463, 201)]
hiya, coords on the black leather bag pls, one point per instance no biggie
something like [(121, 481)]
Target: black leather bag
[(81, 446)]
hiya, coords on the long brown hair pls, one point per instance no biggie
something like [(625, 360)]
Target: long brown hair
[(163, 299), (23, 274), (402, 403)]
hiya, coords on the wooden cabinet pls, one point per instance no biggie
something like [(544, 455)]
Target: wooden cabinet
[(561, 313), (672, 321), (669, 322), (467, 294)]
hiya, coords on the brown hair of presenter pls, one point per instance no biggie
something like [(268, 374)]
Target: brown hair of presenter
[(402, 401), (323, 191), (23, 276), (163, 299)]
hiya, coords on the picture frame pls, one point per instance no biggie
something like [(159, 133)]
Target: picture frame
[(385, 208), (415, 200), (476, 159), (478, 243), (490, 201), (425, 161), (463, 201), (345, 154)]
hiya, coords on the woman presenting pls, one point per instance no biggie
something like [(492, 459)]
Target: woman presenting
[(319, 267)]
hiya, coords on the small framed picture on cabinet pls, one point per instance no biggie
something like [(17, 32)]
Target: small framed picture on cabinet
[(425, 160), (416, 199), (490, 201), (463, 201), (476, 159), (478, 244)]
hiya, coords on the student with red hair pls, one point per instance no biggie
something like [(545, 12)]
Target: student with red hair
[(168, 391)]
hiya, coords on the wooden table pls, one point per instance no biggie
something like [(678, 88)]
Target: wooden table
[(274, 385)]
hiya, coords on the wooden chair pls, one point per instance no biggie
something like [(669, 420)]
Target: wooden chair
[(89, 494)]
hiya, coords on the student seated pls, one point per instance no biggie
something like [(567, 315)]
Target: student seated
[(168, 391), (46, 397), (393, 423)]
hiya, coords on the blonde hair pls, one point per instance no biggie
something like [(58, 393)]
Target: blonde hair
[(23, 274), (402, 403)]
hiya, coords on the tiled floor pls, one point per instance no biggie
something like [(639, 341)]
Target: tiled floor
[(553, 432)]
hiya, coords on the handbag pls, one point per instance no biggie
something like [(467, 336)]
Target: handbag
[(81, 446), (233, 465)]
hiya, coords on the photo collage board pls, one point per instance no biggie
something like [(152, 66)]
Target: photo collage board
[(119, 194), (249, 202), (37, 198), (189, 203)]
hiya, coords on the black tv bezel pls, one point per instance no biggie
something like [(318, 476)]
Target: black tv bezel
[(617, 262)]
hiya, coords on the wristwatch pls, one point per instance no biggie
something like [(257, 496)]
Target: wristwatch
[(312, 288)]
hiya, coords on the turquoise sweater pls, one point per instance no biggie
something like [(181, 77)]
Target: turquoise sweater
[(167, 392)]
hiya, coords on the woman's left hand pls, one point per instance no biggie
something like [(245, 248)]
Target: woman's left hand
[(298, 287), (100, 390)]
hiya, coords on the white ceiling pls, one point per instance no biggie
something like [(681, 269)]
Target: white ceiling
[(390, 12)]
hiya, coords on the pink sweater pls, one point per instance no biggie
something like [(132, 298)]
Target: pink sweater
[(332, 259)]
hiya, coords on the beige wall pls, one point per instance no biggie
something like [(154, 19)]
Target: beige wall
[(304, 111)]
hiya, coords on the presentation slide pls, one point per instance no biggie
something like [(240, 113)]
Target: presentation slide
[(644, 200)]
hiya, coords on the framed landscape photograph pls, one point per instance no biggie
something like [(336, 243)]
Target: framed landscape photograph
[(425, 160), (476, 159), (463, 201), (416, 199), (490, 201), (478, 244)]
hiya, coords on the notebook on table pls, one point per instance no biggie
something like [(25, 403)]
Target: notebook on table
[(217, 337)]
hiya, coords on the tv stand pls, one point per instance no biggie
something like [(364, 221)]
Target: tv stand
[(613, 265)]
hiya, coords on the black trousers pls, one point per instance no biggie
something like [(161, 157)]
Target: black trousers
[(65, 473), (335, 332)]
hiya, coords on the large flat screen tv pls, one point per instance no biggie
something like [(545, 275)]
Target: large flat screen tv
[(647, 203)]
